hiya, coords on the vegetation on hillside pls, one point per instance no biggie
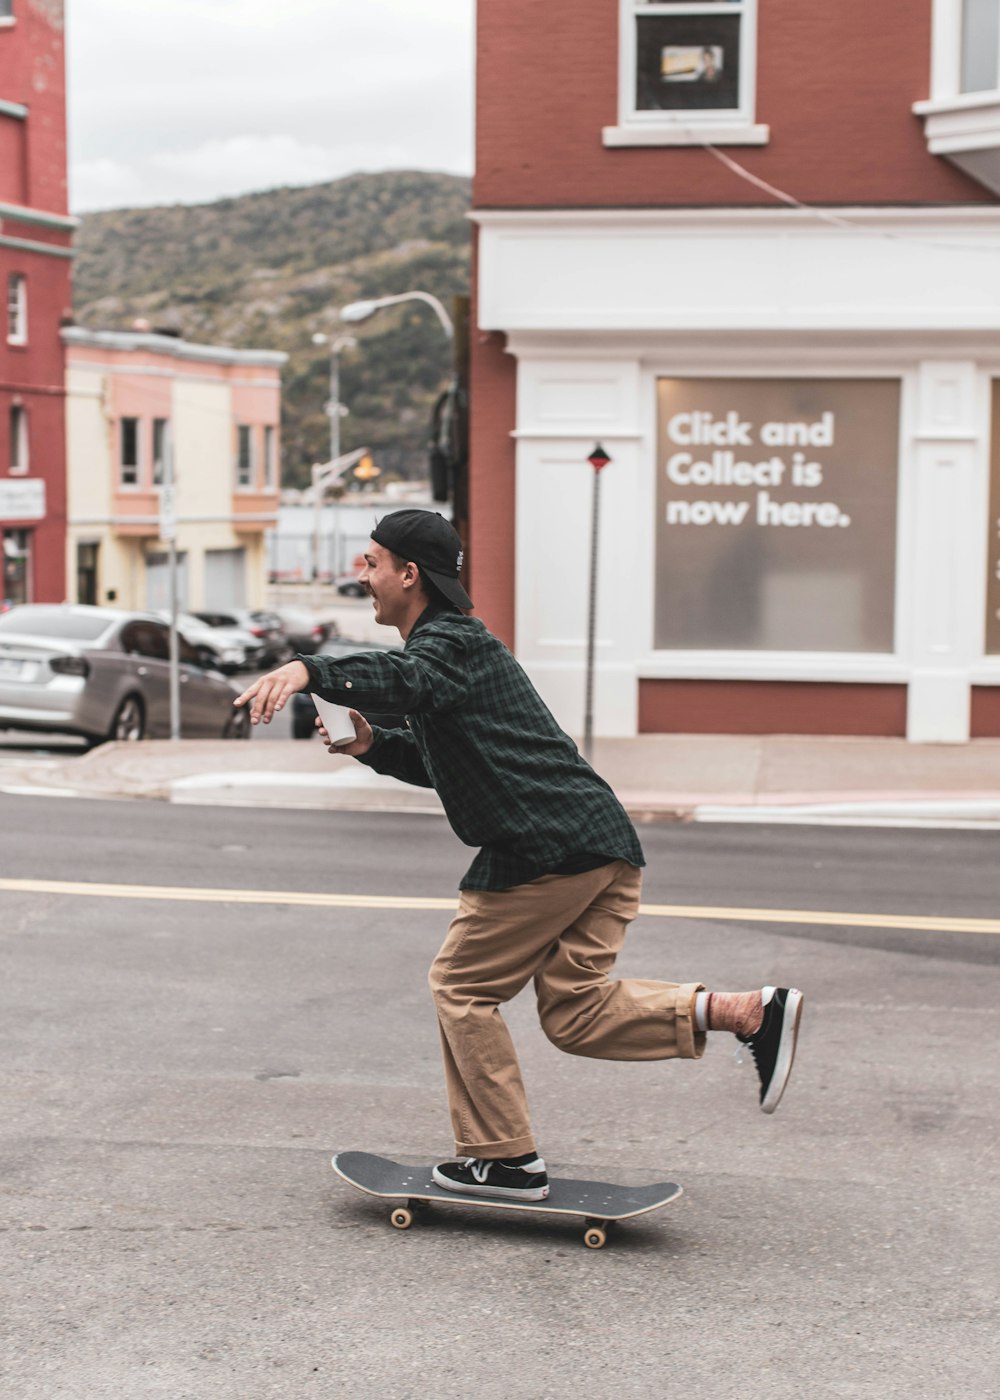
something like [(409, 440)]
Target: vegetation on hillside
[(267, 271)]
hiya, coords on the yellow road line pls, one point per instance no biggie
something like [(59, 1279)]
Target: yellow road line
[(913, 922)]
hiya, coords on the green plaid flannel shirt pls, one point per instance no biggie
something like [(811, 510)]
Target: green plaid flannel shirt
[(478, 732)]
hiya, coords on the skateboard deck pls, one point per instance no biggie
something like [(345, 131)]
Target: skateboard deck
[(598, 1203)]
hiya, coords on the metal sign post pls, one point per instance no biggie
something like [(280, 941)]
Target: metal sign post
[(168, 533), (598, 459)]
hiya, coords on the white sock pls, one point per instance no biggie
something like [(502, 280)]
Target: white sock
[(701, 1011)]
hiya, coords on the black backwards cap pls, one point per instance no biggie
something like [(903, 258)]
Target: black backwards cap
[(425, 538)]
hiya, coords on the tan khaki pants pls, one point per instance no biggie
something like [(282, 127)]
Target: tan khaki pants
[(565, 932)]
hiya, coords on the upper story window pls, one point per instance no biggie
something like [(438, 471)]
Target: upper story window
[(6, 11), (687, 73), (979, 69), (244, 455), (17, 309), (18, 440), (129, 452), (962, 114), (270, 456), (161, 448)]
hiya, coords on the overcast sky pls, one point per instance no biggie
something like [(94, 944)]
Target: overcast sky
[(190, 100)]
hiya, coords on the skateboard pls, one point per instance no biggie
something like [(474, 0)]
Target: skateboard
[(598, 1203)]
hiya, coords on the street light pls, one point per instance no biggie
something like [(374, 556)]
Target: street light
[(361, 310), (336, 410)]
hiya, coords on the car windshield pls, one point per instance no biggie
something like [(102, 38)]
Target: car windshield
[(218, 619), (36, 620)]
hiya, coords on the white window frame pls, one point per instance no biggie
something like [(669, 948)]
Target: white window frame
[(251, 469), (725, 127), (17, 309), (963, 126), (19, 441), (124, 466), (946, 51)]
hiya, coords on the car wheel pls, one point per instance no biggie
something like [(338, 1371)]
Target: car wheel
[(303, 723), (129, 723), (237, 725)]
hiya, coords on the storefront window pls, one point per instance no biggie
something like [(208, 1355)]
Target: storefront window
[(16, 567), (86, 573), (776, 514)]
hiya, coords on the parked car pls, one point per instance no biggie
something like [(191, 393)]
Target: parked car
[(265, 627), (229, 649), (349, 587), (304, 711), (305, 632), (104, 673)]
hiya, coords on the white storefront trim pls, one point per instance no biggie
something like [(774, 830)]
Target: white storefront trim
[(731, 270), (790, 298)]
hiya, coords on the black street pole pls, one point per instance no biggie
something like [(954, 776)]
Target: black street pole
[(598, 459)]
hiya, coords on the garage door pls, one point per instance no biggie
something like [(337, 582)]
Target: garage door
[(158, 582), (225, 579)]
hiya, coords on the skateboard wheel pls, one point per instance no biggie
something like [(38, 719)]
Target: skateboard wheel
[(401, 1218), (594, 1237)]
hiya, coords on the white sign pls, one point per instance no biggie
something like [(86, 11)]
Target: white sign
[(168, 513), (22, 499)]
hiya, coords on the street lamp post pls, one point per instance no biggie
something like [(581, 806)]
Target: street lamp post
[(361, 310), (336, 410)]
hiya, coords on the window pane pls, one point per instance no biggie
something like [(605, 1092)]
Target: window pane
[(776, 514), (159, 450), (17, 307), (43, 621), (244, 466), (16, 588), (269, 455), (687, 63), (130, 451), (18, 439), (980, 45), (6, 9)]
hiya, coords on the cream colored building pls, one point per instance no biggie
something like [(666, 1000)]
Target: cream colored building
[(138, 407)]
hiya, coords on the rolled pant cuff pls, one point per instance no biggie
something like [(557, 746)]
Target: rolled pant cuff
[(690, 1041), (509, 1147)]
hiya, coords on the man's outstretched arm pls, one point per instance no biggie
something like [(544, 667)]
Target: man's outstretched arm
[(272, 692)]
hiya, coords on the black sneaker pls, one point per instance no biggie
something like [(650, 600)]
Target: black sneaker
[(521, 1179), (773, 1046)]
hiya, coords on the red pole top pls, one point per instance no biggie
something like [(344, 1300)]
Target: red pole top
[(598, 459)]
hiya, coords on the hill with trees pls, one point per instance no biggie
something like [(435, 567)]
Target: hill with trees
[(267, 271)]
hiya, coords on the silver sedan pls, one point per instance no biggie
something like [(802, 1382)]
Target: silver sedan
[(105, 674)]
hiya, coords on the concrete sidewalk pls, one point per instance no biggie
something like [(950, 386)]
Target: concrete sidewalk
[(657, 777)]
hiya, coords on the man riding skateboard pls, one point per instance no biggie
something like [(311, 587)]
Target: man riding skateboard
[(556, 882)]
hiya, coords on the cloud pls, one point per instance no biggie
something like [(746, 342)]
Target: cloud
[(196, 99)]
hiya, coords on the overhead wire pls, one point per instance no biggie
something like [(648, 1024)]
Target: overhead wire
[(826, 215)]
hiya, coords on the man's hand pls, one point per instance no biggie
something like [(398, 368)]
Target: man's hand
[(361, 743), (271, 692)]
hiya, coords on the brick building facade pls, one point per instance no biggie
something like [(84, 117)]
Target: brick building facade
[(35, 236), (751, 247)]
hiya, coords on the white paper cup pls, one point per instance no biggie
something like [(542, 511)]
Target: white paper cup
[(336, 720)]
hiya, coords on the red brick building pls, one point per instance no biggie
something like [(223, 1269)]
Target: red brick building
[(752, 247), (35, 235)]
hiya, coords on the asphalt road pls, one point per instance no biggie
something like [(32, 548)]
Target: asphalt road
[(177, 1072)]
